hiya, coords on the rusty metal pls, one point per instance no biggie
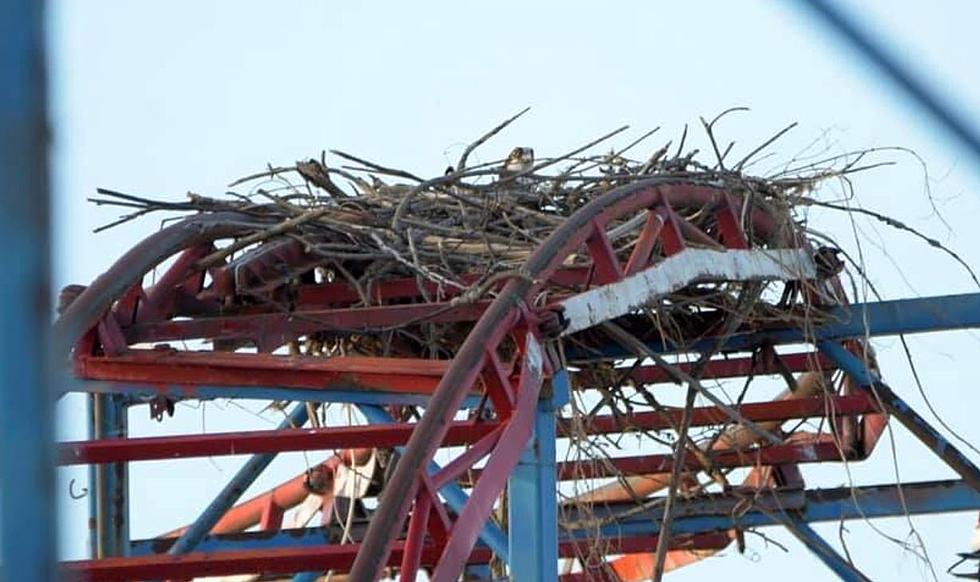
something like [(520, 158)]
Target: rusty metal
[(505, 371)]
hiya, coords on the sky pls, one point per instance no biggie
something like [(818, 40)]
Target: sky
[(160, 99)]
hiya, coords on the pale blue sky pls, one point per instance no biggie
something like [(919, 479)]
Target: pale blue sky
[(164, 98)]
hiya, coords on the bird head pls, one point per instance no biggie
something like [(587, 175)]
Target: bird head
[(519, 160)]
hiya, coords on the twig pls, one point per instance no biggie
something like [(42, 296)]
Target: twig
[(461, 164)]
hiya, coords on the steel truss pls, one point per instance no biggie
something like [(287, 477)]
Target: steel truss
[(509, 375)]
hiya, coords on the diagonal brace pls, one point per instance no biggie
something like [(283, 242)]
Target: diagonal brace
[(893, 404), (826, 553)]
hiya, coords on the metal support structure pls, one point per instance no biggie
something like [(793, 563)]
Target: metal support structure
[(873, 319), (93, 479), (529, 551), (142, 391), (719, 513), (294, 538), (476, 357), (455, 497), (818, 505), (27, 510), (233, 490), (317, 537), (898, 408), (397, 434), (498, 396), (109, 484), (452, 493), (532, 494)]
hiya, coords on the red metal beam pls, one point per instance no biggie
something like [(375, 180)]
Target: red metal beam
[(405, 375), (266, 561), (823, 450), (737, 367), (254, 442), (171, 367), (262, 268), (162, 298), (283, 326), (757, 412), (324, 557), (385, 436)]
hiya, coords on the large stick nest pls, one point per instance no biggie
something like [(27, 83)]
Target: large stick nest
[(460, 234)]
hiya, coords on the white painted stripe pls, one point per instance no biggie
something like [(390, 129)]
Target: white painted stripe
[(535, 359), (610, 301)]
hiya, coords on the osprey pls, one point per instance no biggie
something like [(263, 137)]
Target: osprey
[(519, 160)]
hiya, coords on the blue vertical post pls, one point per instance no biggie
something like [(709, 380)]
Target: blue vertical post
[(109, 485), (532, 494), (93, 481), (27, 506)]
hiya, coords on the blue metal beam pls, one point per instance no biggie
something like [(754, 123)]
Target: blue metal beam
[(109, 485), (902, 316), (532, 494), (931, 102), (235, 488), (93, 479), (819, 505), (256, 540), (821, 549), (816, 505), (264, 540), (882, 318), (27, 497)]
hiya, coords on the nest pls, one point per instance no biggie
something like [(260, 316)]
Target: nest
[(459, 235)]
